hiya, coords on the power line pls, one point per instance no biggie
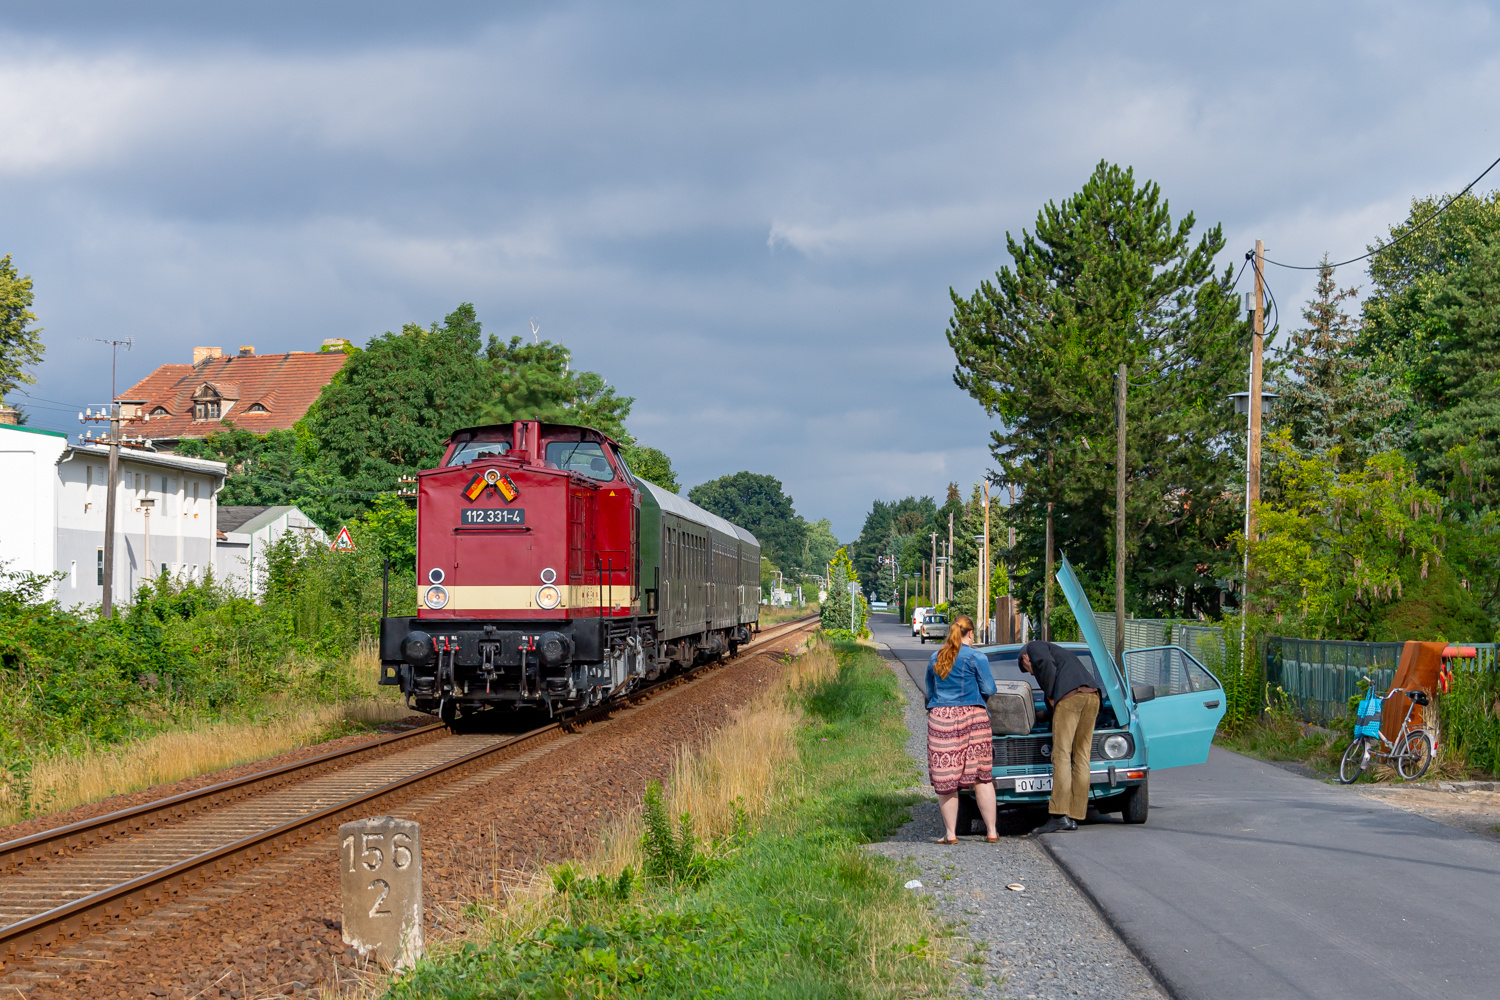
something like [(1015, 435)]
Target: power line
[(1409, 232)]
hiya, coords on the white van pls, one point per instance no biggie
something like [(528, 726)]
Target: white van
[(917, 615)]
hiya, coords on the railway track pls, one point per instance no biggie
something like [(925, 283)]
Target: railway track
[(60, 886)]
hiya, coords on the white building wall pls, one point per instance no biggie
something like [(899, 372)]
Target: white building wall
[(181, 524), (28, 460), (240, 558)]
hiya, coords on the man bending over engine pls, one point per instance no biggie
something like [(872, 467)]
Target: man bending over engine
[(1070, 692)]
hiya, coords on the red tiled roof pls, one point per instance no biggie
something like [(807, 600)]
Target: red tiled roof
[(267, 392)]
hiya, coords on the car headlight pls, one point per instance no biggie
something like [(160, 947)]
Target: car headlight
[(1116, 747), (548, 597), (436, 597)]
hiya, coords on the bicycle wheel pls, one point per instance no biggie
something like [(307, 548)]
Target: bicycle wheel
[(1414, 755), (1353, 762)]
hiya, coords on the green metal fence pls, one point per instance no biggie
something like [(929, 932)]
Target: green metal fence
[(1320, 675)]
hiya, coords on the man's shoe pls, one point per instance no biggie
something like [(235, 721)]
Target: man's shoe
[(1055, 824)]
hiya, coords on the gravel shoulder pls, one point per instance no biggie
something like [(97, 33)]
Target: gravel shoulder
[(1045, 941)]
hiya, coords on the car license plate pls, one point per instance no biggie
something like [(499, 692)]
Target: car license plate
[(1042, 784), (492, 517)]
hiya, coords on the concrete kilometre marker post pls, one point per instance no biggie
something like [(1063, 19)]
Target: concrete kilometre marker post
[(380, 873)]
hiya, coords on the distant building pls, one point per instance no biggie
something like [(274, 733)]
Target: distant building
[(52, 513), (256, 392), (246, 534)]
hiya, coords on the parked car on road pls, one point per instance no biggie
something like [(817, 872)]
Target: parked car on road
[(1159, 711), (934, 627), (917, 615)]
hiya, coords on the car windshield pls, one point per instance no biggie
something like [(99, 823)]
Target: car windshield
[(476, 449), (583, 457)]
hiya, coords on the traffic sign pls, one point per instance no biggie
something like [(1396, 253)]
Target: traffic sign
[(343, 543)]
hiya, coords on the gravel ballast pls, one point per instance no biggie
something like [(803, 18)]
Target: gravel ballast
[(1044, 941)]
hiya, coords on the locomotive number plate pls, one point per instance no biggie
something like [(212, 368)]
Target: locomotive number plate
[(491, 517)]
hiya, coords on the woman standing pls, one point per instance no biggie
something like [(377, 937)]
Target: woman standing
[(960, 746)]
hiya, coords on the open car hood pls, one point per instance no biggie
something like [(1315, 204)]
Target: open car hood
[(1109, 671)]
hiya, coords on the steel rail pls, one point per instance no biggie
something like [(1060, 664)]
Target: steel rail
[(126, 899), (48, 844)]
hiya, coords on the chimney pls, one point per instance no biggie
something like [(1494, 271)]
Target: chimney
[(202, 354), (247, 351), (9, 416)]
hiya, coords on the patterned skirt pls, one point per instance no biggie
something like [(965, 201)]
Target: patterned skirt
[(960, 747)]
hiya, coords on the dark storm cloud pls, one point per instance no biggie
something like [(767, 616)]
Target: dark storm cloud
[(748, 219)]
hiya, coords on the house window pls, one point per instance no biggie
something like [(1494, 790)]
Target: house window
[(99, 573), (257, 408), (160, 411), (208, 410)]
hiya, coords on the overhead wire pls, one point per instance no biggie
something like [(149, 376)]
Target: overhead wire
[(1414, 229)]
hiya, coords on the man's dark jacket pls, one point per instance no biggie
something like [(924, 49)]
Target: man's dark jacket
[(1058, 670)]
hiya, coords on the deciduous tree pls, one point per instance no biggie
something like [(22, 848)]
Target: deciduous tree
[(20, 339)]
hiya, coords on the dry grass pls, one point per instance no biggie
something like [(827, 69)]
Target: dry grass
[(67, 780)]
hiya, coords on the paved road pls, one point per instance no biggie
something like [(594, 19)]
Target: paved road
[(1252, 882)]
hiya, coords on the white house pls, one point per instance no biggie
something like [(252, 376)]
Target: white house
[(52, 517), (246, 534)]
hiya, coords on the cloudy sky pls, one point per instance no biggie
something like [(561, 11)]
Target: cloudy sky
[(746, 216)]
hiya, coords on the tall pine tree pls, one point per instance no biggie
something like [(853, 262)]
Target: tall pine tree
[(1106, 277)]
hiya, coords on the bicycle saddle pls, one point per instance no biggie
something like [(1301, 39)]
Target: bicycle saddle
[(1420, 697)]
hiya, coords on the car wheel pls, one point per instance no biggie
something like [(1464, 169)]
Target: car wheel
[(1137, 803)]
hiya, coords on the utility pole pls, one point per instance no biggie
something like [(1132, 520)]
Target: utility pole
[(948, 569), (984, 569), (932, 581), (1120, 516), (1252, 447), (1047, 583), (113, 416), (1252, 452)]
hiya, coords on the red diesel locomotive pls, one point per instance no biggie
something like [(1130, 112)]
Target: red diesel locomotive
[(548, 576)]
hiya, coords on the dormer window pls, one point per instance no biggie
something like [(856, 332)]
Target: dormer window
[(207, 410), (160, 411), (257, 408)]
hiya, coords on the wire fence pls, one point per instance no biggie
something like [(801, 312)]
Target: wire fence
[(1205, 642)]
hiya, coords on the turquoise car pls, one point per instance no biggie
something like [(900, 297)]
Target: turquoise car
[(1160, 711)]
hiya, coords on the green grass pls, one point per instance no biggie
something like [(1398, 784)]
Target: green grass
[(790, 907)]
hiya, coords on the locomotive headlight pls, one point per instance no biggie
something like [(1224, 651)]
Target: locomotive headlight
[(1116, 747), (548, 597), (436, 597), (549, 575)]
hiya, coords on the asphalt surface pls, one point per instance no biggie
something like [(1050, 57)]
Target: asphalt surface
[(1249, 881)]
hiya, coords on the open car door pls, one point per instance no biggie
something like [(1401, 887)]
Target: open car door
[(1178, 723)]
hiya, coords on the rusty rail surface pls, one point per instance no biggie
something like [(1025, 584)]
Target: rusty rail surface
[(126, 900)]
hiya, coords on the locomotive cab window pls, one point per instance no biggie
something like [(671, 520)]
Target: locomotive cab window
[(586, 458), (478, 448)]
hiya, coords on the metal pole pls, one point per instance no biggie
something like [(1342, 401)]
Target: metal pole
[(932, 582)]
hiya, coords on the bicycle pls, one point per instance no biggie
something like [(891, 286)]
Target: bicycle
[(1412, 748)]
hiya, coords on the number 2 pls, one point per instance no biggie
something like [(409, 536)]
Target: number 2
[(385, 890)]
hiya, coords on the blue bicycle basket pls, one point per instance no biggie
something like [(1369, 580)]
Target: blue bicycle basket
[(1367, 717)]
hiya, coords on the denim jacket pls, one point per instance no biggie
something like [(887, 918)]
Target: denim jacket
[(968, 683)]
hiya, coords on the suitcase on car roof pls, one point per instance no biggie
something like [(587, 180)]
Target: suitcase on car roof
[(1012, 712)]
